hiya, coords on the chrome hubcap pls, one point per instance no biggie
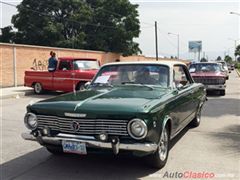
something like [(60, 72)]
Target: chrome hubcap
[(38, 88), (163, 147), (198, 115)]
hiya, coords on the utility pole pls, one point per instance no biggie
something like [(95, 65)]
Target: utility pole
[(156, 40), (178, 46), (169, 33)]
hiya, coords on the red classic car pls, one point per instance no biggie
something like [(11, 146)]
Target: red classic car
[(209, 74), (71, 74)]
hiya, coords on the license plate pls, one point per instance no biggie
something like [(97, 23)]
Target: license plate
[(74, 147)]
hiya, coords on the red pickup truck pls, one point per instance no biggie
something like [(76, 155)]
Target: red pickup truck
[(71, 74)]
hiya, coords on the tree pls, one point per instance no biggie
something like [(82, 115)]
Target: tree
[(7, 34), (237, 50), (228, 59), (203, 60), (107, 25), (219, 58)]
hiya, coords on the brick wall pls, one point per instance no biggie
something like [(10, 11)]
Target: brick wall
[(26, 56)]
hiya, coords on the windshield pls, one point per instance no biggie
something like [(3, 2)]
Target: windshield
[(85, 65), (140, 74), (208, 67)]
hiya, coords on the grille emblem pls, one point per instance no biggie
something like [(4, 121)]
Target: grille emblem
[(75, 126)]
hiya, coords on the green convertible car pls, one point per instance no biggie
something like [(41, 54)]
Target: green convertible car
[(135, 107)]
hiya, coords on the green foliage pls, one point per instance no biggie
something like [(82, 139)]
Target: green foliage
[(237, 50), (219, 58), (203, 60), (228, 59), (107, 25), (7, 34)]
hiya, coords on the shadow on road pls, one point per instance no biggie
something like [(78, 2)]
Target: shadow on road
[(71, 166), (229, 139), (222, 107), (46, 94), (40, 164)]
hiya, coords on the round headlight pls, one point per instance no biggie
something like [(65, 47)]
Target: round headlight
[(30, 121), (137, 129)]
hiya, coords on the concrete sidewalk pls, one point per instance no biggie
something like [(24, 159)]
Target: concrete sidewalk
[(15, 92)]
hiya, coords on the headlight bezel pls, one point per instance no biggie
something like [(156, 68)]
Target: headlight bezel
[(26, 121), (143, 125)]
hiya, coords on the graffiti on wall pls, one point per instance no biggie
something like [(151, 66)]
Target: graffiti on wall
[(39, 64)]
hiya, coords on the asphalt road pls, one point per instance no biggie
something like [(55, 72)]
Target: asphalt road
[(214, 147)]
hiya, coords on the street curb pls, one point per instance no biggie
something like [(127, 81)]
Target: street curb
[(238, 72), (17, 95)]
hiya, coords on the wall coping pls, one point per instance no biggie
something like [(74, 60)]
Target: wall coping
[(53, 48)]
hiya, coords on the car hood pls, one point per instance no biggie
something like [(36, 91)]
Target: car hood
[(209, 74), (111, 101)]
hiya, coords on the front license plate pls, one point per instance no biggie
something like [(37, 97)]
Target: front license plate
[(74, 147)]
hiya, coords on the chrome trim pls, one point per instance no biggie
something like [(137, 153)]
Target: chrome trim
[(86, 126), (216, 87), (91, 142), (26, 117), (142, 123)]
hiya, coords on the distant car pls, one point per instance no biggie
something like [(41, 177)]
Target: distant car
[(232, 67), (225, 68), (209, 74), (229, 68), (135, 107), (71, 74)]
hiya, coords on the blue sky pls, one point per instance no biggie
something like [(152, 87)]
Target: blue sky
[(208, 21)]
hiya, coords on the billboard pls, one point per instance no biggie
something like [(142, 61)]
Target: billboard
[(195, 46)]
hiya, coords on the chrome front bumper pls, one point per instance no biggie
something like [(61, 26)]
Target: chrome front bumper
[(91, 141), (216, 87)]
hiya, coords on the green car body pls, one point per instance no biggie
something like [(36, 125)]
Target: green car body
[(172, 107)]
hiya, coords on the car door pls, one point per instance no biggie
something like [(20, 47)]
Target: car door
[(63, 79), (184, 99)]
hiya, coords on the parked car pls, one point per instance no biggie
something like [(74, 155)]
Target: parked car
[(71, 74), (209, 74), (229, 68), (135, 107), (225, 68)]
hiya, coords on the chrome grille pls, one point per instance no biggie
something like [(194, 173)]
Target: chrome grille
[(87, 126), (209, 81)]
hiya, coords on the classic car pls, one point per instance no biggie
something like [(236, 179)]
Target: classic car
[(224, 68), (209, 74), (71, 74), (131, 107)]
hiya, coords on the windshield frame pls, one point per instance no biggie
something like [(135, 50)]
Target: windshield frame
[(126, 84), (204, 64), (86, 60)]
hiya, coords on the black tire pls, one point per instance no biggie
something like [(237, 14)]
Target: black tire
[(80, 86), (38, 89), (197, 120), (158, 160), (222, 92), (55, 150)]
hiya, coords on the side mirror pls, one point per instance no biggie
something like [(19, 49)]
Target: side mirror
[(87, 85), (179, 86)]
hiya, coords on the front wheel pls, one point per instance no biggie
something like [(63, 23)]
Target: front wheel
[(222, 92), (159, 158), (80, 86), (196, 121), (38, 89)]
